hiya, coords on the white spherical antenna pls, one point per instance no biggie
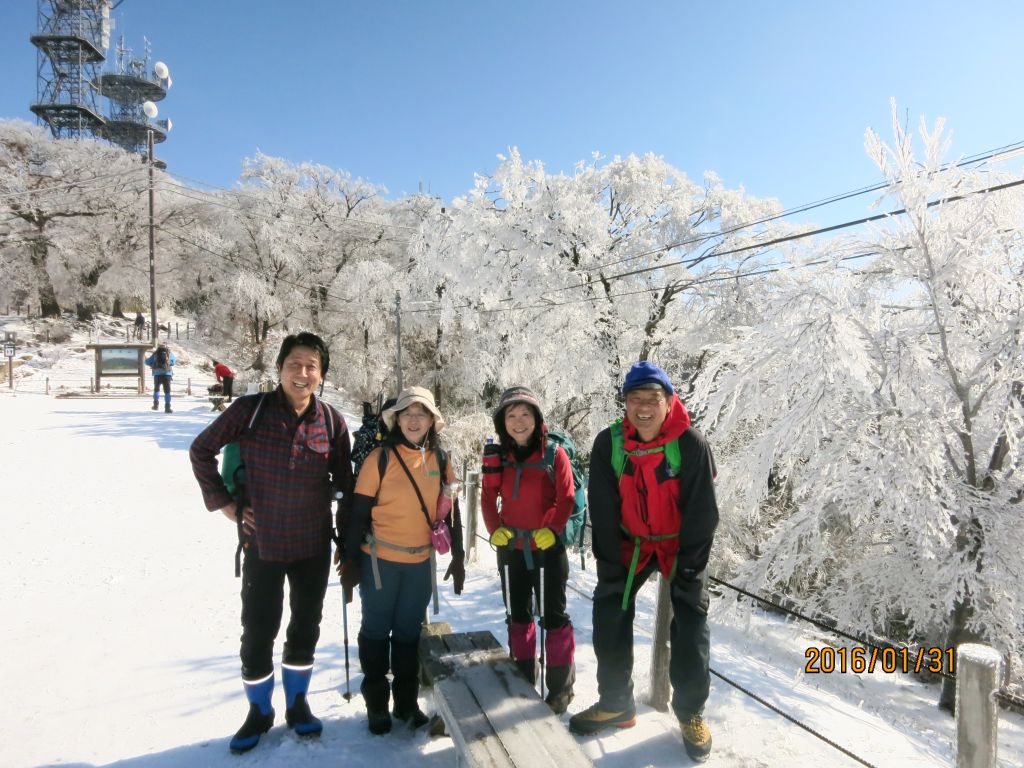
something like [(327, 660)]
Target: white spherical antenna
[(150, 109), (160, 70)]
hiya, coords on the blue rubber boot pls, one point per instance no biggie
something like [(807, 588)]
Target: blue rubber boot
[(297, 714), (261, 714)]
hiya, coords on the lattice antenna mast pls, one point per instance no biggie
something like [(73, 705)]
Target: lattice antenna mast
[(132, 92), (71, 43)]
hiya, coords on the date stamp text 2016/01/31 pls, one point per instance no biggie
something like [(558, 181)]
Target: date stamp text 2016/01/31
[(826, 660)]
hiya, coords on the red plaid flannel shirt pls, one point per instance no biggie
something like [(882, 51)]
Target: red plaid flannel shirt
[(289, 481)]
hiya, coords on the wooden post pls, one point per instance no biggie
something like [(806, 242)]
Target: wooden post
[(978, 672), (176, 336), (47, 385), (660, 647), (188, 386), (92, 385), (472, 500)]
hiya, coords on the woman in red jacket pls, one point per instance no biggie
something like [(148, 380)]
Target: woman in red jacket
[(526, 504)]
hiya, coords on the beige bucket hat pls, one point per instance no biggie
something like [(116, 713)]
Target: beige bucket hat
[(409, 396)]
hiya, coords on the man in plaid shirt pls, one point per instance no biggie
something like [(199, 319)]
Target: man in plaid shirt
[(293, 470)]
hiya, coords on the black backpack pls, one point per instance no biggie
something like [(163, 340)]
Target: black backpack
[(163, 357), (370, 433)]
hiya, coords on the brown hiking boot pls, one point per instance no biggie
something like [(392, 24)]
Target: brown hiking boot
[(696, 737), (594, 719)]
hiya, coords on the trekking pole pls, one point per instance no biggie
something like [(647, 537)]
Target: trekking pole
[(508, 610), (344, 629), (541, 572)]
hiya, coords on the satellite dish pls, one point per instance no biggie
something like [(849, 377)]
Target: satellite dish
[(169, 82), (166, 124), (150, 109), (160, 70)]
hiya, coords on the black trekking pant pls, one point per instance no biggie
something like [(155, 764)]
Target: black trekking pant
[(689, 639), (263, 606), (523, 588), (228, 383), (165, 382)]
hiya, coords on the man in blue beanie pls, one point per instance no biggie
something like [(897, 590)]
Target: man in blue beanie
[(652, 508)]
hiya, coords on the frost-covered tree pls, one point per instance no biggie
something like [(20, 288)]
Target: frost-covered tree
[(298, 246), (869, 429), (61, 199), (562, 281)]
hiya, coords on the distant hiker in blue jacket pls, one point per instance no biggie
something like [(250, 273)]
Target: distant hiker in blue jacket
[(162, 362)]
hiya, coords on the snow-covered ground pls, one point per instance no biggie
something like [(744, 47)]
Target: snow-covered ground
[(121, 629)]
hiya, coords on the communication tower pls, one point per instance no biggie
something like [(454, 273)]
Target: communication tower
[(132, 91), (71, 40)]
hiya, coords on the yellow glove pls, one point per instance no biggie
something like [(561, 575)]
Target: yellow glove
[(544, 538), (502, 536)]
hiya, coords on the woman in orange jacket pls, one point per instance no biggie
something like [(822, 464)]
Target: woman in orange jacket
[(402, 502)]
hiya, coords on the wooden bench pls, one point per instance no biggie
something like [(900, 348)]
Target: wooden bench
[(493, 714)]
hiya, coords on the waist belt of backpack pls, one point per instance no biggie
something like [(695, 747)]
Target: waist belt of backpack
[(524, 535), (374, 542), (637, 540)]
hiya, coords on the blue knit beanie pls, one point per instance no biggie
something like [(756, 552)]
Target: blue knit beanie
[(647, 375)]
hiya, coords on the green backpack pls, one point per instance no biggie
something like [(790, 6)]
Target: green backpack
[(620, 454), (674, 458), (232, 470), (576, 525)]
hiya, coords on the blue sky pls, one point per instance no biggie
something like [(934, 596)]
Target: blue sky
[(773, 96)]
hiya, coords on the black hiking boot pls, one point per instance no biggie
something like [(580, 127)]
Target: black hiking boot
[(301, 720), (405, 687), (255, 725), (156, 406), (595, 718), (378, 722), (376, 690), (167, 409), (560, 681), (414, 718)]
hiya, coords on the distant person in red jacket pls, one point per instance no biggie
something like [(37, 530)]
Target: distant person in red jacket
[(526, 505), (225, 376)]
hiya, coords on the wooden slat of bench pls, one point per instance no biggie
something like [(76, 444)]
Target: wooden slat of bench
[(436, 651), (475, 740), (459, 641), (497, 719)]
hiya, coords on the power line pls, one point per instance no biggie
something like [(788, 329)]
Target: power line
[(784, 238), (73, 183), (178, 190), (1003, 152), (287, 206), (763, 270), (262, 270)]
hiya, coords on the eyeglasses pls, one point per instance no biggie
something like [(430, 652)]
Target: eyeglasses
[(413, 415), (641, 402)]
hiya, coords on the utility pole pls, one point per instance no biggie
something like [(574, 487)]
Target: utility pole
[(398, 339), (660, 647), (152, 243)]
